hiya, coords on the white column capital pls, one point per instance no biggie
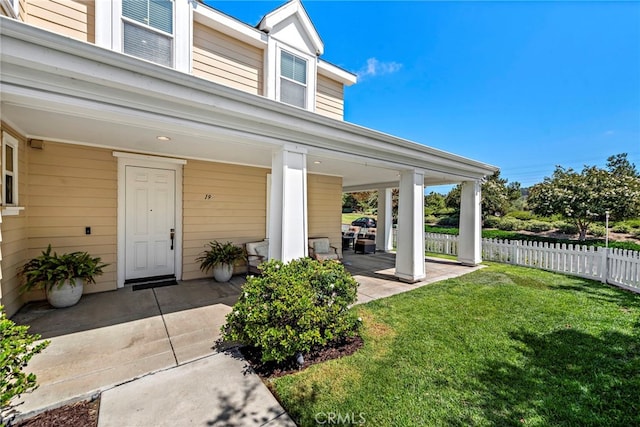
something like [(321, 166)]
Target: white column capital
[(291, 148)]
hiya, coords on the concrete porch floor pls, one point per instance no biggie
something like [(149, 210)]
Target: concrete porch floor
[(375, 274), (110, 339)]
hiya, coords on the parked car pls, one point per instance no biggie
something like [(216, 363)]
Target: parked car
[(364, 222)]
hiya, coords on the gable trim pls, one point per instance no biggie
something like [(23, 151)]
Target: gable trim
[(293, 7)]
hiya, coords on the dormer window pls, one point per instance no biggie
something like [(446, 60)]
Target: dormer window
[(293, 79), (147, 30)]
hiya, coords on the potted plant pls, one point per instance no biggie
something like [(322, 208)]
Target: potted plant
[(220, 257), (61, 276)]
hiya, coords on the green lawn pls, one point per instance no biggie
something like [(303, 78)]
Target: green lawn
[(501, 346), (348, 217)]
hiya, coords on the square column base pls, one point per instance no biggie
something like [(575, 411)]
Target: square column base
[(410, 279)]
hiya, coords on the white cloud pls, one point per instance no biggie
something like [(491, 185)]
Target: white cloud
[(377, 68)]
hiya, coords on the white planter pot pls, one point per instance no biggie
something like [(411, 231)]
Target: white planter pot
[(66, 295), (222, 272)]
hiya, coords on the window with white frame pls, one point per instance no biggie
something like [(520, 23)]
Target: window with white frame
[(293, 79), (148, 30), (9, 170)]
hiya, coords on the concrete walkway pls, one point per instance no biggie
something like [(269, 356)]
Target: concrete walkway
[(151, 353)]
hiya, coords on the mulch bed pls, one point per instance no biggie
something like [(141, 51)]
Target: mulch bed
[(273, 370), (84, 413)]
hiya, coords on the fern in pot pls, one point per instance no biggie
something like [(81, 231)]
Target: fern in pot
[(62, 276), (221, 257)]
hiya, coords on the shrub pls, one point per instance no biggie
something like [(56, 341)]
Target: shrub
[(537, 226), (16, 351), (621, 228), (293, 308), (430, 219), (522, 215), (449, 221), (491, 222), (597, 230), (633, 223), (510, 224), (566, 228)]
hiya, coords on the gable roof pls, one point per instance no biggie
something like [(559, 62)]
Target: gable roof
[(287, 10), (222, 22)]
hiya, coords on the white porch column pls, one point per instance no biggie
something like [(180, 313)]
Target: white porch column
[(470, 239), (384, 236), (288, 205), (410, 246)]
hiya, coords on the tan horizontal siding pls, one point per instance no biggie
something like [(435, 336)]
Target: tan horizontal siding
[(324, 201), (14, 255), (14, 235), (73, 18), (72, 187), (21, 12), (330, 98), (225, 60), (236, 212)]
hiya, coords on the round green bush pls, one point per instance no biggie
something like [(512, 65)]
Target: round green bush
[(522, 215), (597, 230), (566, 228), (430, 219), (536, 226), (449, 221), (621, 228), (491, 222), (510, 224), (293, 308)]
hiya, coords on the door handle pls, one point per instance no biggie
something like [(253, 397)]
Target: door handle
[(172, 234)]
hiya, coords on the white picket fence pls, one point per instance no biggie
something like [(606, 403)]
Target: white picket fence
[(618, 267)]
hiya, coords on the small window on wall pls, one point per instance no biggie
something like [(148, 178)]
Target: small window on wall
[(9, 170), (147, 30), (293, 80)]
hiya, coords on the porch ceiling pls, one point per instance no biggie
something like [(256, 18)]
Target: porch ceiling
[(59, 89), (186, 142)]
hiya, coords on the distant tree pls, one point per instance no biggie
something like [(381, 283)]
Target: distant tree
[(584, 197), (433, 202), (619, 165), (367, 202), (497, 196), (349, 203)]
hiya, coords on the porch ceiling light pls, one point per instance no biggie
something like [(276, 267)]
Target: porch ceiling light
[(317, 162), (163, 138)]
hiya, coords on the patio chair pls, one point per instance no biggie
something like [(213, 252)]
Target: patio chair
[(321, 249), (257, 253)]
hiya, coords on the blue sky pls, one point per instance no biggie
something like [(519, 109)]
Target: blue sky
[(524, 86)]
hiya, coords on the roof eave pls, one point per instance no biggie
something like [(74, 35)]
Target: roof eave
[(112, 70)]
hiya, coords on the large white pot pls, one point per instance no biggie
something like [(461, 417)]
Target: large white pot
[(66, 295), (223, 272)]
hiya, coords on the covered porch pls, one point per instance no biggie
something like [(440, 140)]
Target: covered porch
[(90, 123), (111, 338)]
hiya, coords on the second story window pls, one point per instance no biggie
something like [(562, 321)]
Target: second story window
[(293, 80), (147, 30)]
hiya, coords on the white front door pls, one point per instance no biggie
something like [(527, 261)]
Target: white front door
[(150, 217)]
